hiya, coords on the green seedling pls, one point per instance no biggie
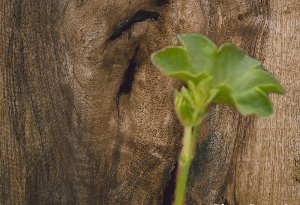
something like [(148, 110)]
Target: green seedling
[(212, 75)]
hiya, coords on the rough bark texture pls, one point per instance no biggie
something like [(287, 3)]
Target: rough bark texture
[(87, 119)]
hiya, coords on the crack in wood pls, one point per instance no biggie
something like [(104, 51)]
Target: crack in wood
[(128, 77), (168, 194), (297, 170), (139, 16), (161, 2)]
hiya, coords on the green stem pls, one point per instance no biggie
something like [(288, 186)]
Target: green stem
[(185, 159), (195, 134)]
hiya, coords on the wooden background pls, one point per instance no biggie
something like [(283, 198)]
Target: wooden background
[(87, 119)]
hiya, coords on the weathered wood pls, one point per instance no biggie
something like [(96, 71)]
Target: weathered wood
[(87, 119), (36, 156)]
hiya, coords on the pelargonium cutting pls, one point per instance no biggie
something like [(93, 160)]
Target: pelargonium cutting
[(212, 75)]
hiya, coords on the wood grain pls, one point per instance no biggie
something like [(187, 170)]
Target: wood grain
[(87, 119), (36, 157)]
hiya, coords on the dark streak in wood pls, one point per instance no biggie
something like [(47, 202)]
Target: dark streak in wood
[(161, 2), (168, 196), (139, 16), (128, 78)]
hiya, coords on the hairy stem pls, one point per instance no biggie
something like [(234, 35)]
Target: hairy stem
[(185, 159)]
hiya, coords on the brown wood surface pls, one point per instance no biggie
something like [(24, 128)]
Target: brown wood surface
[(87, 119)]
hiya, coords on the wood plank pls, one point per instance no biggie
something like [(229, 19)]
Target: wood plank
[(87, 119)]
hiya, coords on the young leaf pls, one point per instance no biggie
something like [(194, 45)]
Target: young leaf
[(191, 103), (237, 79)]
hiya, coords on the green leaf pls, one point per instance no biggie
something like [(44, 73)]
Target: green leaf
[(190, 103), (236, 79)]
